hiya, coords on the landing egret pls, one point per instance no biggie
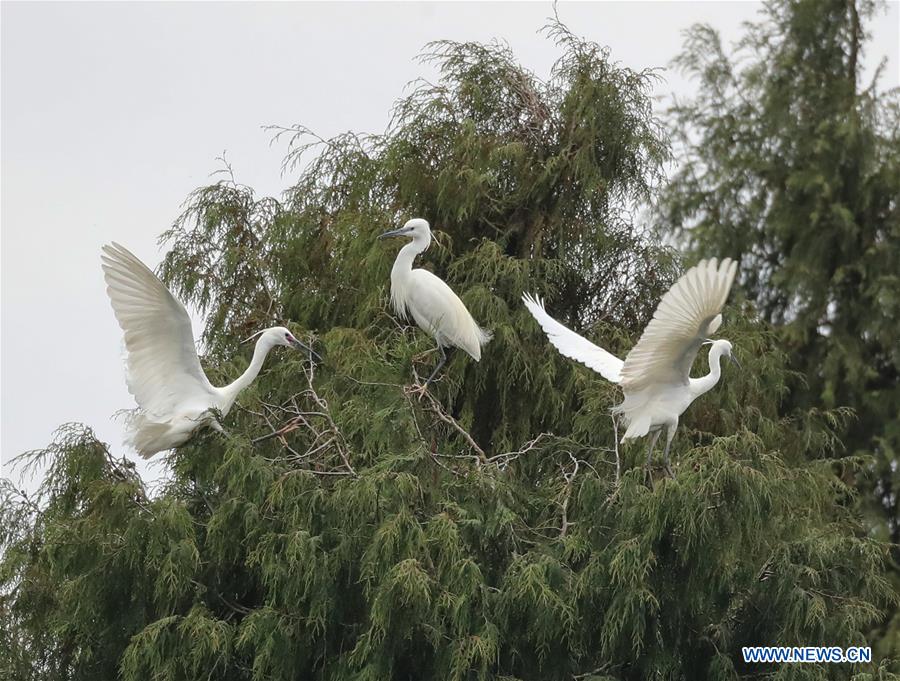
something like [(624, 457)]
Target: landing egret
[(419, 294), (163, 370), (655, 376)]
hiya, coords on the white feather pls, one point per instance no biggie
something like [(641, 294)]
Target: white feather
[(687, 315), (573, 346), (163, 369), (655, 376), (439, 311), (424, 297)]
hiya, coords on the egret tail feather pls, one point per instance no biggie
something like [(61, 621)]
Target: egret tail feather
[(147, 437)]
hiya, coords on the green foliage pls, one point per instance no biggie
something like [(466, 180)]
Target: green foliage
[(792, 166), (527, 184), (351, 527)]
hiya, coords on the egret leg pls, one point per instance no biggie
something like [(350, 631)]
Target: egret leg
[(670, 435), (652, 445), (216, 426), (438, 367)]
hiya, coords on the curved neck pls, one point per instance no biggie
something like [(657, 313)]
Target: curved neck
[(403, 263), (230, 391), (705, 383), (402, 269)]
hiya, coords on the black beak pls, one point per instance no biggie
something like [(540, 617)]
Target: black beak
[(297, 345), (734, 359), (393, 232)]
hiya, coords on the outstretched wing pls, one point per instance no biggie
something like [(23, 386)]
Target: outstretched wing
[(572, 345), (686, 316), (163, 370)]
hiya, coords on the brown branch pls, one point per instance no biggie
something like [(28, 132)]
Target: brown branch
[(438, 411), (322, 403), (616, 442), (855, 37), (503, 460), (322, 438), (433, 453), (567, 493)]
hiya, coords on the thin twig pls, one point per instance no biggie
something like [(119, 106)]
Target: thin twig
[(438, 411), (569, 478), (300, 418), (616, 444), (503, 460)]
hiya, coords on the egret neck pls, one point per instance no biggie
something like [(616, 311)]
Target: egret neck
[(230, 392), (708, 382), (402, 269)]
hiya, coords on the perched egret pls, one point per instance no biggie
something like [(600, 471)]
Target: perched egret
[(419, 294), (655, 376), (163, 370)]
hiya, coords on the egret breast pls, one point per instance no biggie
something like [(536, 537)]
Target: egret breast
[(651, 407)]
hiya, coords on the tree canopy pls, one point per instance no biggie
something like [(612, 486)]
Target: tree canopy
[(791, 164), (491, 528)]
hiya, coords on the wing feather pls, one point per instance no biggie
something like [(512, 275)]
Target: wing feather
[(163, 370), (440, 312), (687, 315), (573, 346)]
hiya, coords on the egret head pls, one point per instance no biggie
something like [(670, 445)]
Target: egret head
[(417, 229), (725, 349), (279, 335)]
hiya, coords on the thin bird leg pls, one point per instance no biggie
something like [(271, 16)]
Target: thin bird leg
[(652, 445), (670, 435), (438, 367), (216, 426)]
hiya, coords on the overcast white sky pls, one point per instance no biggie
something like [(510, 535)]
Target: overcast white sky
[(113, 112)]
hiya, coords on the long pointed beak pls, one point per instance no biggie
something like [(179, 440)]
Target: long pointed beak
[(394, 232), (297, 345), (734, 359)]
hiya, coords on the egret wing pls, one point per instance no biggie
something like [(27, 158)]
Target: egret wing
[(687, 315), (572, 345), (163, 370), (438, 310)]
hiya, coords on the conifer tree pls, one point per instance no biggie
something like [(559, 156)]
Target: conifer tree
[(348, 527), (790, 163)]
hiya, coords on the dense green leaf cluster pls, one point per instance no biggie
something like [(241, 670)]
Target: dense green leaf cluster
[(350, 526), (788, 163)]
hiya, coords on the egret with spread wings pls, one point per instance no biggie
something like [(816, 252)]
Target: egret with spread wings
[(163, 370), (655, 376)]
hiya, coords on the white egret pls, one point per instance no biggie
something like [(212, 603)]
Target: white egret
[(655, 376), (163, 370), (419, 294)]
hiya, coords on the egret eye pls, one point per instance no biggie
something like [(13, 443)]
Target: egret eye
[(167, 367), (694, 302)]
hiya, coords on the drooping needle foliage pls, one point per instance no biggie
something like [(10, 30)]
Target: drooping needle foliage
[(789, 161), (348, 527)]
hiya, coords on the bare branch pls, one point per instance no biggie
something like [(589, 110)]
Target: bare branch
[(436, 409)]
